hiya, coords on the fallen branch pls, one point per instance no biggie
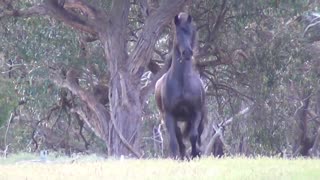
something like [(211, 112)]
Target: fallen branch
[(209, 147), (124, 141), (219, 130)]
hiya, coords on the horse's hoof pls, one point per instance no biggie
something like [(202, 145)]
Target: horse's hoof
[(196, 154)]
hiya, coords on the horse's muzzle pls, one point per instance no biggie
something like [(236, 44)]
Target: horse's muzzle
[(187, 54)]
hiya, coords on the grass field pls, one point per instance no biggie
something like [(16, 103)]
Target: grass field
[(93, 167)]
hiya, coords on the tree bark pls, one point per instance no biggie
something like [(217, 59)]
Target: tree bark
[(126, 113), (125, 88)]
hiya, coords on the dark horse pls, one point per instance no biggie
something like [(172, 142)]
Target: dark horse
[(179, 92)]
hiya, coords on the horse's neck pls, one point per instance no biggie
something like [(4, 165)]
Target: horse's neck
[(180, 67)]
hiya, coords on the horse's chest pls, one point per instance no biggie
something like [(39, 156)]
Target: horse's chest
[(183, 102), (184, 92)]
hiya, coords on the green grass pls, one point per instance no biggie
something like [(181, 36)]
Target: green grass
[(93, 167)]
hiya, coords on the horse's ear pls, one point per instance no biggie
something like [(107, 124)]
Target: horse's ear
[(176, 20), (189, 18)]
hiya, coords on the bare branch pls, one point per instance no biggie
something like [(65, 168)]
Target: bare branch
[(140, 57), (74, 20), (242, 112), (309, 27), (87, 97), (37, 10), (220, 18), (145, 91), (5, 135), (314, 116), (53, 9), (226, 87), (124, 141), (213, 63), (209, 147), (84, 6), (100, 111), (220, 128)]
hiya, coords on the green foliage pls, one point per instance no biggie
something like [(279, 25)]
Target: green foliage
[(37, 47), (8, 100), (276, 56)]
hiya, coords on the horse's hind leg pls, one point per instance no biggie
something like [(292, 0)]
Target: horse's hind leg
[(171, 127), (194, 134), (182, 147)]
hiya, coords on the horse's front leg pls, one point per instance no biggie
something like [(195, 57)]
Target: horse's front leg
[(195, 134), (171, 125), (182, 147)]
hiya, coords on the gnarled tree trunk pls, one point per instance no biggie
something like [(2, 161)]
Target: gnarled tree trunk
[(125, 96)]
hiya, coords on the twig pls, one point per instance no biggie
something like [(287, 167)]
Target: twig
[(310, 26), (5, 136), (297, 151), (123, 140), (117, 130)]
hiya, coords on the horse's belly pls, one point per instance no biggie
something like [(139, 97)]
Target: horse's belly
[(191, 97), (184, 108)]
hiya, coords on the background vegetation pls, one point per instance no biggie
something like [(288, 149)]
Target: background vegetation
[(260, 55)]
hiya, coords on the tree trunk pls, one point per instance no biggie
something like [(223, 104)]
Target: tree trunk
[(125, 107), (125, 88), (126, 113)]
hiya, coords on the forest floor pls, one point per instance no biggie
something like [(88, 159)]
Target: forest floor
[(27, 166)]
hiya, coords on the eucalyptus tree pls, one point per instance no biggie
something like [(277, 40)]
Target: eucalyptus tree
[(118, 123)]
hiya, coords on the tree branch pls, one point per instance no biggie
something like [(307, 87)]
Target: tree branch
[(145, 91), (220, 129), (226, 87), (140, 57), (74, 20), (124, 141), (53, 9), (100, 111), (36, 10), (220, 18)]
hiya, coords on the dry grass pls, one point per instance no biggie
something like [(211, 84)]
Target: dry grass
[(206, 168)]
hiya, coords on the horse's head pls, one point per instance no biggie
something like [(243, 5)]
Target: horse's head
[(185, 35)]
